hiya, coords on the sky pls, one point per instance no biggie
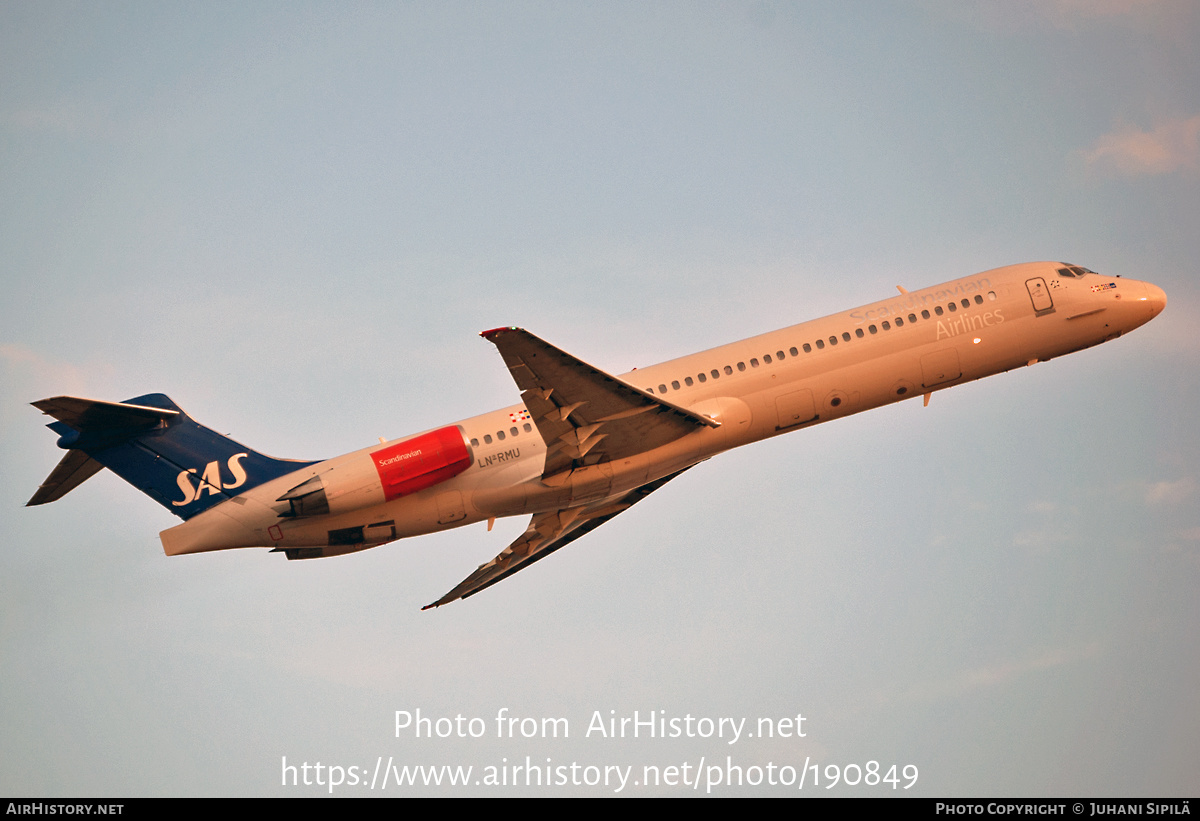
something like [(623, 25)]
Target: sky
[(295, 218)]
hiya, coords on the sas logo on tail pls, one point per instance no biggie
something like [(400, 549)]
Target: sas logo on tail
[(210, 480)]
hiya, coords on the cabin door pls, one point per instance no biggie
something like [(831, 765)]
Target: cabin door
[(1040, 295)]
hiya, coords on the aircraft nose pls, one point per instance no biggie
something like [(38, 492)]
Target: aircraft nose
[(1157, 298)]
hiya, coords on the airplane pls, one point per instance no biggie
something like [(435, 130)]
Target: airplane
[(584, 445)]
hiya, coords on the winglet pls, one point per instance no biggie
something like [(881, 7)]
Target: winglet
[(497, 331)]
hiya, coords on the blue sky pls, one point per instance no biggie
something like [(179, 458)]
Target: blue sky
[(295, 218)]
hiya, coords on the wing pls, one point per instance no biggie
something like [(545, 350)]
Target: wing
[(546, 533), (587, 416)]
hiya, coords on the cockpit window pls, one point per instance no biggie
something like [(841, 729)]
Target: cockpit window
[(1073, 271)]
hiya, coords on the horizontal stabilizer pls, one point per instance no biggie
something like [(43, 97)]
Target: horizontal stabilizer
[(151, 443), (84, 414), (74, 469), (88, 423)]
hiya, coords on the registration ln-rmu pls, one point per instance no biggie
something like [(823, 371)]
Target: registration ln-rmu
[(583, 444)]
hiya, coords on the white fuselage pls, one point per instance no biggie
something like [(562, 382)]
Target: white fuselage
[(895, 349)]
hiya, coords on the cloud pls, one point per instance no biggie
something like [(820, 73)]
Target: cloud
[(1173, 145), (1065, 9), (86, 118), (1163, 494), (19, 360), (1006, 671), (45, 119), (956, 684), (1016, 15), (1041, 540), (28, 374)]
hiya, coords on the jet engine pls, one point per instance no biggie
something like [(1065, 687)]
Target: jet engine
[(373, 477)]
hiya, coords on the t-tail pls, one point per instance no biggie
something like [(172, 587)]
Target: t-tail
[(151, 443)]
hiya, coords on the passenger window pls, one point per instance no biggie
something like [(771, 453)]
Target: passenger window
[(702, 377), (924, 314), (474, 443), (978, 299), (528, 427), (687, 381), (966, 303), (807, 348), (793, 352), (845, 336), (833, 340), (715, 374), (912, 317), (899, 322), (779, 354), (766, 359), (513, 431), (500, 435), (873, 329), (675, 385), (662, 388), (728, 370), (487, 438), (741, 366), (859, 333), (885, 325), (952, 307), (820, 344), (754, 363), (992, 296)]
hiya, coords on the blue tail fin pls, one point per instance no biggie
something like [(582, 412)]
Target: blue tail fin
[(151, 443)]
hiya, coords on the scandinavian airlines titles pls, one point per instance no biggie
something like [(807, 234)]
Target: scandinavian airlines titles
[(967, 323), (911, 301)]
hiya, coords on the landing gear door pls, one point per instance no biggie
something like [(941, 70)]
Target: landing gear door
[(940, 367), (1040, 295), (450, 507), (795, 408)]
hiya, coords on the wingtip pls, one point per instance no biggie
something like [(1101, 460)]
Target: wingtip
[(497, 331)]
